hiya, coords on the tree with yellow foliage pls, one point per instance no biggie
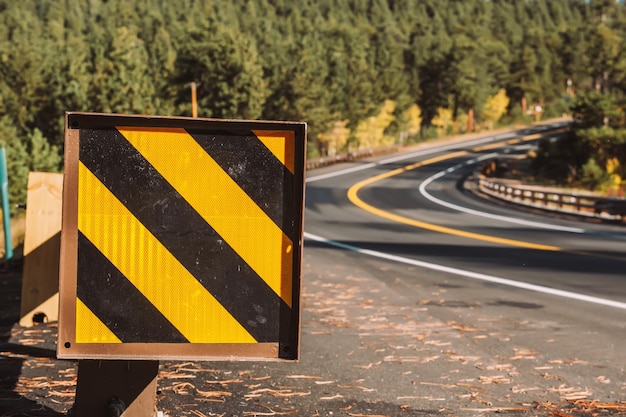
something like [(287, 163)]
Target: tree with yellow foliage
[(335, 138), (443, 121), (370, 133), (412, 125), (614, 169), (494, 108)]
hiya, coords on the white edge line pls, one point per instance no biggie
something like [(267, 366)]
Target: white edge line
[(469, 274), (426, 194)]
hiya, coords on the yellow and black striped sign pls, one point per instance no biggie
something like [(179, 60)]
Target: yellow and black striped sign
[(182, 238)]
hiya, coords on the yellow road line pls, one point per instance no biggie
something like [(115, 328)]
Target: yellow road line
[(487, 147), (535, 136), (354, 198)]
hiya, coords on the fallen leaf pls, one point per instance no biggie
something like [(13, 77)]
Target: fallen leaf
[(494, 380), (225, 382), (62, 394), (603, 380), (495, 409), (369, 365), (334, 397), (214, 393), (356, 387), (324, 382), (367, 415)]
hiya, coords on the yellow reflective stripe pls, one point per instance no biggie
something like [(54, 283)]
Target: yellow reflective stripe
[(148, 265), (280, 143), (220, 201), (89, 328)]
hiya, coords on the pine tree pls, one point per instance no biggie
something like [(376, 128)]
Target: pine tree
[(225, 67), (119, 63)]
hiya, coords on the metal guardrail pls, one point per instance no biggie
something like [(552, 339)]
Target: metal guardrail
[(588, 205)]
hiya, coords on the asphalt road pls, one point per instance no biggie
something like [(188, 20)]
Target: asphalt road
[(551, 287), (418, 207), (410, 308)]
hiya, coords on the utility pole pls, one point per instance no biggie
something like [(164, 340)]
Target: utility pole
[(194, 102)]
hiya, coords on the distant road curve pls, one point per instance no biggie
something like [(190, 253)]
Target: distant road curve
[(410, 209)]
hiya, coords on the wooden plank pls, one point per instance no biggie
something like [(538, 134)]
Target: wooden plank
[(40, 280)]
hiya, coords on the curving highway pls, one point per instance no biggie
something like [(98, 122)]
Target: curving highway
[(417, 213)]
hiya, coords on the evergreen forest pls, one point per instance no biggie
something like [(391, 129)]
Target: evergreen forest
[(361, 73)]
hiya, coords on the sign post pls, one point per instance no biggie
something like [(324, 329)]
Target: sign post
[(181, 240)]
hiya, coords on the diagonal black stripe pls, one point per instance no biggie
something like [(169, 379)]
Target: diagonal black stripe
[(129, 176), (256, 170), (116, 301)]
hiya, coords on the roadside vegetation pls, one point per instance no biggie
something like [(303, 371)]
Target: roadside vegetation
[(362, 73), (593, 155)]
